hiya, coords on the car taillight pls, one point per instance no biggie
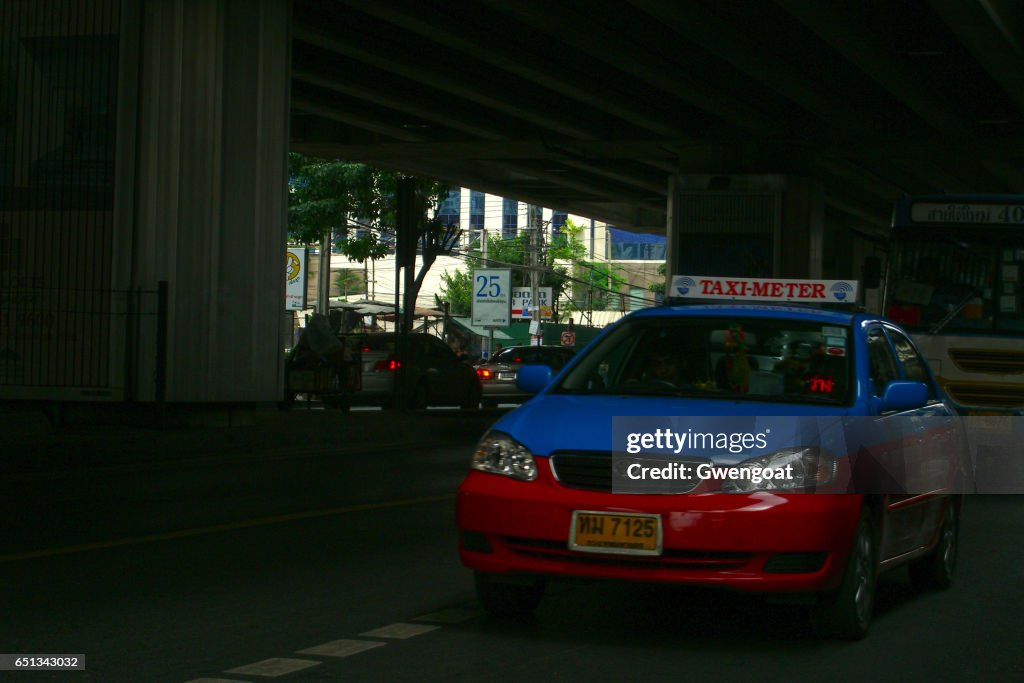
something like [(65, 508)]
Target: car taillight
[(387, 365), (483, 373)]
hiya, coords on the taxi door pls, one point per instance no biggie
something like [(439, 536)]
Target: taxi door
[(908, 454)]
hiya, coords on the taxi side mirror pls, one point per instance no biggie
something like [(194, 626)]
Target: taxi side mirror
[(533, 378), (904, 395)]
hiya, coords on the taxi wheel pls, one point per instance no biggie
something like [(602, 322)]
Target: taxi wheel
[(507, 599), (935, 570), (846, 613)]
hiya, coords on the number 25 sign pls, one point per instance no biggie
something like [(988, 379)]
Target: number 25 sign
[(492, 300)]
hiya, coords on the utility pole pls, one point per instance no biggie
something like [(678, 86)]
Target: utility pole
[(323, 303), (483, 252), (534, 268)]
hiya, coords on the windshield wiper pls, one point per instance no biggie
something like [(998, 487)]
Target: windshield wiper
[(937, 327)]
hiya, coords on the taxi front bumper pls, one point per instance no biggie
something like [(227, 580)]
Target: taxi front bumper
[(763, 542)]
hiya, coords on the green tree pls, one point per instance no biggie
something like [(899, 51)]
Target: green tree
[(568, 246), (659, 287), (325, 197), (595, 285), (350, 281), (328, 198), (457, 290), (585, 276), (515, 254)]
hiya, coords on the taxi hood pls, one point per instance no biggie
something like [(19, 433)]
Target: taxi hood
[(557, 422)]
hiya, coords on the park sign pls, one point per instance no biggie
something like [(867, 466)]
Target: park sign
[(523, 305), (491, 297)]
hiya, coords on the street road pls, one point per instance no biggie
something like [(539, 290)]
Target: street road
[(234, 568)]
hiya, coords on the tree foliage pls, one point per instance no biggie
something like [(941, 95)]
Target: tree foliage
[(568, 246), (595, 285), (515, 254), (457, 290), (350, 281), (659, 287), (331, 197), (328, 198)]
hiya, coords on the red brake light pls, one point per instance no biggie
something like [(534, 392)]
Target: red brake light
[(386, 365), (483, 373)]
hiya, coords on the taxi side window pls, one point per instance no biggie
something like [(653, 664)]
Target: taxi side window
[(913, 366), (880, 360)]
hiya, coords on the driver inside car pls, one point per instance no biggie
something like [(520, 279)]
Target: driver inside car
[(662, 366)]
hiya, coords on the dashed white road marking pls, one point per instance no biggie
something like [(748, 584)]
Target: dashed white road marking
[(346, 647), (452, 615), (342, 648), (275, 666), (399, 631)]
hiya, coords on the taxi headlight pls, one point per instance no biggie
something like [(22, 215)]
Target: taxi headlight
[(499, 453), (788, 469)]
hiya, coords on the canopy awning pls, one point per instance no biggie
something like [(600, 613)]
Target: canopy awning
[(508, 335)]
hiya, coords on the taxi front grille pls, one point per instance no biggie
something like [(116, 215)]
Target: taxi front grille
[(992, 361), (596, 472), (589, 471), (669, 559), (986, 394)]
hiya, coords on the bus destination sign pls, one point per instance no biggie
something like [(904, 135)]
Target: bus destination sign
[(958, 212)]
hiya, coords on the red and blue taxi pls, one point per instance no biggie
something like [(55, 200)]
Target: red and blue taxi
[(861, 472)]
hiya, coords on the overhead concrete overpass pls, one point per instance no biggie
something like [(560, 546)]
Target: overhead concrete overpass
[(145, 142)]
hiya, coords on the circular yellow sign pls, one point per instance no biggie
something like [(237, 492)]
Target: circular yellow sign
[(293, 266)]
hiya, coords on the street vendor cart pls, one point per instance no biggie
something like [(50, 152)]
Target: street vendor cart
[(322, 367)]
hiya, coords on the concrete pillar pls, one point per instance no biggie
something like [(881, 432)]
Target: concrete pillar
[(745, 226), (211, 193)]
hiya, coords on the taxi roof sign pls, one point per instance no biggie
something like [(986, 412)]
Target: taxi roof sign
[(741, 289)]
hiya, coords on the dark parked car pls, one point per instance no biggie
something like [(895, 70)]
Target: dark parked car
[(498, 374), (436, 376)]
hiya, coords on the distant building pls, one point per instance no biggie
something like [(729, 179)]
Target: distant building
[(635, 257)]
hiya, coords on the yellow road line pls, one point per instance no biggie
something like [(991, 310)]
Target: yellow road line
[(218, 528)]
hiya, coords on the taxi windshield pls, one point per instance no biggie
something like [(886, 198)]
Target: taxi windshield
[(761, 359)]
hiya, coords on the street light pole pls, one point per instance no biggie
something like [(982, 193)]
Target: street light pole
[(534, 270)]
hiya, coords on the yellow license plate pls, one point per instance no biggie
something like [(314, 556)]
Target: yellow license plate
[(622, 533)]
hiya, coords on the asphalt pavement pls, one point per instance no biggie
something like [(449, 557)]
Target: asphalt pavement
[(39, 441)]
